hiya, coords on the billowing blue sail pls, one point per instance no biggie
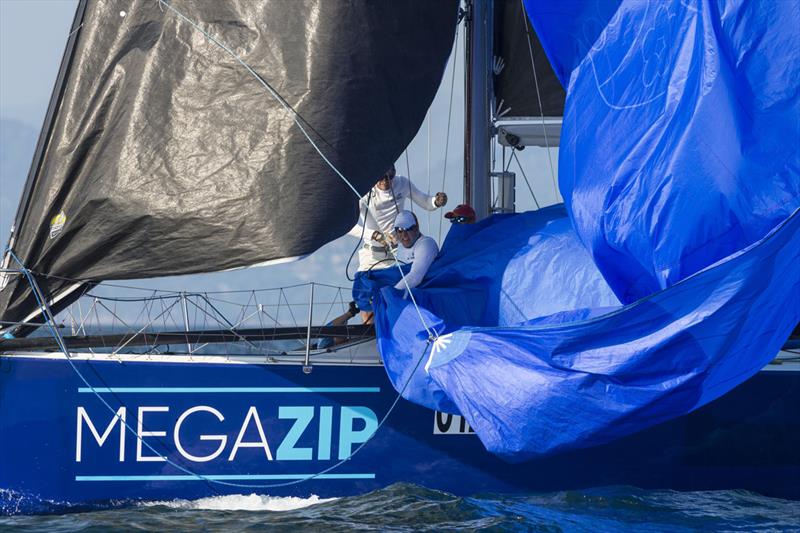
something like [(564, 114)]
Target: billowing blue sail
[(673, 273), (681, 129), (594, 371), (499, 272)]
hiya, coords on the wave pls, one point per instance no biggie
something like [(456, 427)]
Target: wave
[(242, 502)]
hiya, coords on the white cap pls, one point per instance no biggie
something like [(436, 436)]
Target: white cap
[(404, 220)]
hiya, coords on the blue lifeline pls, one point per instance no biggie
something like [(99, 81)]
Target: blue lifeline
[(684, 209)]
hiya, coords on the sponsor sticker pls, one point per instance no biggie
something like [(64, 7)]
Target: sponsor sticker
[(57, 224)]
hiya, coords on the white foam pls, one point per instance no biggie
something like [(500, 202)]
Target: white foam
[(241, 502)]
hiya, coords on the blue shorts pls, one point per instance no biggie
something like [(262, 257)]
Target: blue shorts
[(362, 290), (367, 283)]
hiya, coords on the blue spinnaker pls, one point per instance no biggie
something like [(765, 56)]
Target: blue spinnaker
[(541, 388), (681, 133), (502, 271), (680, 170), (593, 371)]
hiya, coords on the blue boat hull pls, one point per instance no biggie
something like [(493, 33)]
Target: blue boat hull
[(264, 427)]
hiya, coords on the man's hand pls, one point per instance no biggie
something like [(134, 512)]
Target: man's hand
[(377, 236), (441, 199)]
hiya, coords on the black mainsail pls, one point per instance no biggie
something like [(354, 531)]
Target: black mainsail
[(163, 155), (515, 86)]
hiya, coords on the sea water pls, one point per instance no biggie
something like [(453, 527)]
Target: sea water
[(405, 507)]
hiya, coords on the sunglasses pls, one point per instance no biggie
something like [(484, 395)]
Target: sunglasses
[(404, 230), (459, 220)]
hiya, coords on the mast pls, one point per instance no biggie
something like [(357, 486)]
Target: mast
[(478, 95)]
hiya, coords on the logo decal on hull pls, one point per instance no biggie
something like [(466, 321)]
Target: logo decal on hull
[(233, 429)]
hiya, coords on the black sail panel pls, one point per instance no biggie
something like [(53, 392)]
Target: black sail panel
[(166, 156), (515, 42)]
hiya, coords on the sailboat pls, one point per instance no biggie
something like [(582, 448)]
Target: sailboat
[(181, 137)]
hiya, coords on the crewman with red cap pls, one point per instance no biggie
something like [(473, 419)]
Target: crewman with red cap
[(462, 214)]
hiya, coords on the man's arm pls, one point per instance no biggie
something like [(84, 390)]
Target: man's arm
[(423, 200), (423, 257)]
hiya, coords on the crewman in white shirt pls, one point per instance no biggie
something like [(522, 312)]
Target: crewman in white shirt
[(386, 199), (415, 248)]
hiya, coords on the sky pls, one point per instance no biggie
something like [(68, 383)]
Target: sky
[(32, 38)]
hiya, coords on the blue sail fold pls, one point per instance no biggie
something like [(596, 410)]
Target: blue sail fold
[(538, 389), (503, 271), (594, 371), (672, 273), (681, 129)]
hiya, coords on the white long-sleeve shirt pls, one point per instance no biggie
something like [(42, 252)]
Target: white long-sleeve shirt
[(420, 255), (384, 206)]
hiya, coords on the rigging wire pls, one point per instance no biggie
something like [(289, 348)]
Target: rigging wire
[(519, 165), (428, 227), (449, 117), (539, 99), (358, 244), (168, 291), (408, 175)]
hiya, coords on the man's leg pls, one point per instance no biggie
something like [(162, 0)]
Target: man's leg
[(369, 260), (340, 320)]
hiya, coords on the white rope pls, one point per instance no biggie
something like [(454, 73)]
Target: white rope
[(296, 118), (432, 334)]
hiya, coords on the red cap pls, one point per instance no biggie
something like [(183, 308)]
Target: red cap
[(462, 210)]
